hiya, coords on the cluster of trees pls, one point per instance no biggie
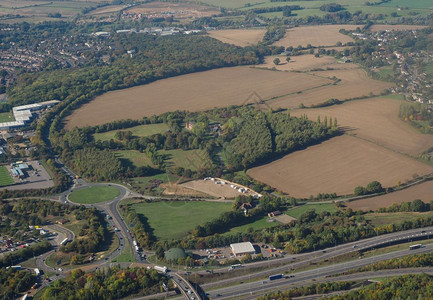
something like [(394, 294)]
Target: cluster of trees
[(273, 34), (14, 282), (331, 7), (254, 136), (416, 205), (418, 115), (25, 253), (93, 234), (418, 286), (314, 289), (287, 10), (111, 283), (371, 188), (20, 214)]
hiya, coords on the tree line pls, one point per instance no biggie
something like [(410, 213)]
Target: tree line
[(13, 282)]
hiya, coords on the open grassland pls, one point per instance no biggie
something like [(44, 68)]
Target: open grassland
[(5, 177), (138, 131), (238, 37), (337, 166), (175, 219), (192, 92), (298, 211), (257, 225), (6, 117), (380, 219), (188, 159), (354, 83), (325, 35), (134, 157), (421, 191), (375, 120), (106, 10), (94, 194), (382, 27)]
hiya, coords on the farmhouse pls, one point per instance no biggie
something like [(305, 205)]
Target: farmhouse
[(239, 249)]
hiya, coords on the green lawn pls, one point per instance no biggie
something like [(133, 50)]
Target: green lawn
[(93, 194), (126, 255), (5, 177), (298, 211), (257, 225), (139, 131), (174, 219), (6, 117), (188, 159), (135, 157)]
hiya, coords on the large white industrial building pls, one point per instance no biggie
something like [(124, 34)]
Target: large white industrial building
[(24, 114)]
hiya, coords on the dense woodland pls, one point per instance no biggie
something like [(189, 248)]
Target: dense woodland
[(13, 282), (108, 283)]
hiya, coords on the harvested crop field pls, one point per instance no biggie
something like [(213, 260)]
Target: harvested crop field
[(326, 35), (354, 83), (380, 27), (192, 92), (107, 10), (421, 191), (238, 37), (304, 63), (375, 120), (337, 166)]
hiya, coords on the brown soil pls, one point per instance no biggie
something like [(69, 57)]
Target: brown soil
[(239, 37)]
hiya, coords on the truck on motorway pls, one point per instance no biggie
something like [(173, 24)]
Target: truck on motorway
[(413, 247), (276, 276), (161, 269)]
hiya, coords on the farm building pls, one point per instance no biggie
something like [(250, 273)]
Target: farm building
[(239, 249)]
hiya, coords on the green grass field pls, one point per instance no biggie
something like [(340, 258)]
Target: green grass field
[(126, 255), (5, 177), (378, 219), (257, 225), (94, 194), (144, 183), (298, 211), (188, 159), (173, 220), (6, 117), (139, 131), (136, 158)]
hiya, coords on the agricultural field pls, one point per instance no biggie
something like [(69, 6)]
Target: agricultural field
[(174, 219), (299, 210), (375, 120), (337, 166), (39, 10), (134, 157), (94, 194), (421, 191), (5, 177), (380, 219), (137, 131), (382, 27), (325, 35), (193, 92), (354, 83), (106, 10), (177, 10), (238, 37), (304, 63)]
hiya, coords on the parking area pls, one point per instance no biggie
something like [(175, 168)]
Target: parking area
[(36, 178)]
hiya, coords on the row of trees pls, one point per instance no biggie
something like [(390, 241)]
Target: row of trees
[(314, 289), (416, 205), (143, 233), (25, 253)]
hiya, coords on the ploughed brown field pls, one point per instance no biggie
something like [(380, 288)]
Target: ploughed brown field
[(354, 83), (337, 166), (375, 120), (325, 35), (238, 37), (421, 191), (382, 27), (192, 92)]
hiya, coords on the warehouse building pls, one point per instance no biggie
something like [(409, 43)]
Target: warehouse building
[(240, 249)]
